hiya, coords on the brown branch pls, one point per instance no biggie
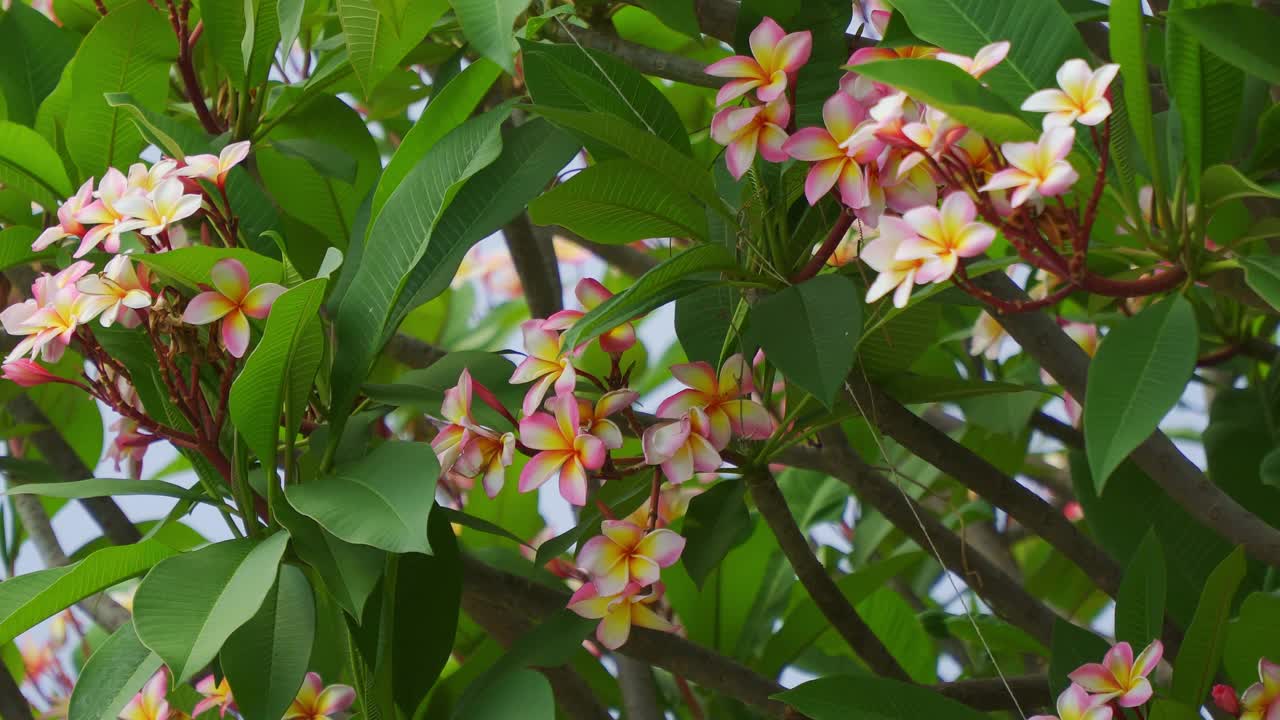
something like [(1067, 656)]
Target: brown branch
[(640, 57), (639, 692), (1058, 430), (535, 262), (717, 18), (813, 576), (623, 257), (991, 694), (824, 252), (13, 704), (1157, 456), (413, 352), (976, 473)]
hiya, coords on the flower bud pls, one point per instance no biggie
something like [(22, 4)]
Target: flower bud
[(28, 373), (1224, 696)]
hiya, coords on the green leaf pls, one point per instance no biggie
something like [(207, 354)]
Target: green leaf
[(1140, 371), (289, 13), (1201, 653), (265, 660), (1040, 34), (478, 524), (704, 323), (424, 388), (525, 694), (112, 676), (1269, 470), (717, 522), (448, 108), (33, 52), (381, 32), (618, 202), (1128, 48), (1253, 634), (678, 15), (550, 643), (349, 571), (1224, 183), (243, 35), (106, 487), (15, 246), (954, 91), (323, 157), (377, 500), (620, 498), (130, 51), (1262, 275), (1243, 36), (159, 130), (279, 370), (810, 331), (96, 573), (487, 25), (1070, 647), (841, 697), (1140, 601), (911, 388), (694, 269), (574, 78), (189, 604), (191, 266), (30, 166)]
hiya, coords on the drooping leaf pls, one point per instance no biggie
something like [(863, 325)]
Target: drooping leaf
[(189, 604), (487, 24), (377, 500), (1140, 371), (168, 134), (112, 676), (1262, 275), (289, 14), (1242, 35), (380, 33), (810, 331), (266, 659), (1201, 653), (30, 166), (717, 522), (621, 201), (33, 52), (106, 487), (1140, 601), (839, 697), (349, 571), (1224, 183)]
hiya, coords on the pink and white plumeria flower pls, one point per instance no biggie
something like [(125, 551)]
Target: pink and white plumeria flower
[(1261, 701), (456, 410), (69, 224), (215, 167), (744, 130), (150, 703), (594, 417), (160, 208), (115, 293), (1081, 95), (543, 364), (835, 152), (896, 276), (720, 397), (1076, 704), (618, 613), (145, 179), (50, 318), (1120, 677), (933, 133), (216, 694), (940, 237), (682, 447), (233, 302), (626, 554), (988, 337), (982, 61), (109, 220), (317, 702), (591, 293), (1037, 169), (487, 456), (566, 451), (776, 57), (875, 13)]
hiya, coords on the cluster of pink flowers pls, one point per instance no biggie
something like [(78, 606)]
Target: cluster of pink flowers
[(1098, 690), (571, 434), (313, 702), (888, 157), (1260, 701)]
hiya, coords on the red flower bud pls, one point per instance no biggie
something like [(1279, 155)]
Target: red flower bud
[(1224, 696)]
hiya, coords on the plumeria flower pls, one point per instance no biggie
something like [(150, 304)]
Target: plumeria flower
[(456, 410), (215, 167), (591, 294), (1261, 700), (232, 302), (1076, 704), (682, 447), (867, 91), (109, 220), (777, 56), (26, 372), (566, 450), (836, 159), (1119, 677), (543, 364), (129, 446), (1082, 97), (595, 420), (215, 695), (875, 13), (626, 554), (50, 319), (68, 223), (160, 208), (1038, 169), (317, 702), (896, 276), (618, 613), (988, 337), (487, 455), (847, 249), (934, 133), (115, 293), (940, 237), (744, 130), (146, 180), (720, 397), (986, 58), (150, 703)]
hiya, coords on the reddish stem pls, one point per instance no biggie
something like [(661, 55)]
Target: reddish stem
[(190, 80), (828, 247)]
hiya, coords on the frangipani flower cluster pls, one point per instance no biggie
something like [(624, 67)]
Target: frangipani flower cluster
[(314, 700), (1260, 701), (1099, 690)]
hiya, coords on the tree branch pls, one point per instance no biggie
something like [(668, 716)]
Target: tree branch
[(413, 352), (535, 262), (623, 257), (640, 57), (1157, 456), (13, 704), (1058, 430), (717, 18), (639, 693), (990, 694), (813, 576)]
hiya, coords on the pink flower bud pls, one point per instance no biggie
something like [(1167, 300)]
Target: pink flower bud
[(1224, 696), (28, 373)]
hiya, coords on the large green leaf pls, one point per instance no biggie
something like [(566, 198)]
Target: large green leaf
[(487, 25), (948, 88), (381, 500), (191, 266), (105, 487), (694, 269), (705, 321), (189, 604), (95, 573), (573, 78), (112, 676), (525, 694), (717, 522), (130, 50), (30, 166), (1253, 634), (840, 697), (621, 201), (1201, 652), (810, 331), (15, 244), (381, 32), (33, 52), (280, 370), (1140, 371), (243, 35), (1140, 601), (1243, 36), (1040, 34), (1224, 183), (1128, 48), (1262, 275), (266, 659), (349, 571)]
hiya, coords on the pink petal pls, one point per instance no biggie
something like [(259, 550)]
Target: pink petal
[(230, 278), (573, 482), (614, 402), (619, 339), (841, 114), (541, 467), (677, 405), (764, 40), (257, 303), (540, 342), (770, 142), (736, 66), (1095, 678), (614, 579), (721, 429), (822, 177), (540, 431), (591, 293), (615, 628), (662, 441), (679, 466), (335, 699), (231, 156), (591, 451), (812, 144), (735, 89), (774, 89), (588, 602), (643, 571), (562, 320), (599, 554), (793, 51), (1139, 692), (1095, 112), (1056, 143), (974, 239), (206, 308), (705, 458), (662, 546), (608, 433), (1058, 180), (533, 398), (625, 534), (740, 154), (749, 419), (853, 186), (1008, 178), (532, 368), (235, 333), (697, 375)]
